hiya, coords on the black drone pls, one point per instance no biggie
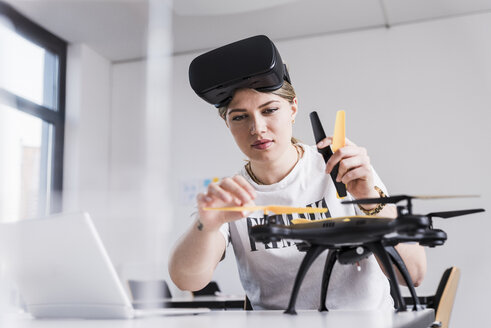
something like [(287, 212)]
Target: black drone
[(351, 239)]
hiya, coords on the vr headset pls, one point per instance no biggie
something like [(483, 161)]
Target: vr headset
[(250, 63)]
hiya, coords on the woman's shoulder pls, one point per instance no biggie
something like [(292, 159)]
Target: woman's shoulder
[(306, 147), (311, 158), (310, 151)]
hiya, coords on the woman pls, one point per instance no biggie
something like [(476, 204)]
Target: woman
[(281, 171)]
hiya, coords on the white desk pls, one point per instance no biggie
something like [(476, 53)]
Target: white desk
[(229, 302), (240, 319)]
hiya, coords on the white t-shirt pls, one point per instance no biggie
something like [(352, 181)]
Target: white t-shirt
[(267, 272)]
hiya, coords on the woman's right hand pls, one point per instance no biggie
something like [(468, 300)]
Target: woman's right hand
[(233, 191)]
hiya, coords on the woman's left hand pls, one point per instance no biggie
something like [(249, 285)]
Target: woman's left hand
[(354, 168)]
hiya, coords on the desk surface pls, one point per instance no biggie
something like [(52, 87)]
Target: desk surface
[(208, 301), (239, 319)]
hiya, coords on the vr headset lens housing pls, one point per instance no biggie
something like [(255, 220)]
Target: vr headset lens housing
[(250, 63)]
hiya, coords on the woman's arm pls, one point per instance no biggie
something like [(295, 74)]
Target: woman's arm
[(356, 173), (195, 257), (198, 252)]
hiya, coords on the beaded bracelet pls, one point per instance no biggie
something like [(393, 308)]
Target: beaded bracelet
[(379, 207)]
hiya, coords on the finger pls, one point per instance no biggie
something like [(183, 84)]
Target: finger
[(233, 216), (345, 152), (246, 185), (350, 163), (203, 200), (216, 191), (247, 213), (349, 142), (240, 195), (324, 142), (359, 173)]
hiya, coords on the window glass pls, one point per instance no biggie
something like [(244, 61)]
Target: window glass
[(27, 70), (25, 147)]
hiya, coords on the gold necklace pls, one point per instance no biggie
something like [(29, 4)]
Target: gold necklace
[(255, 179)]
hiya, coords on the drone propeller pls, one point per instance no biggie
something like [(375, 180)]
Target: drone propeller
[(276, 209), (451, 214), (398, 198), (343, 218)]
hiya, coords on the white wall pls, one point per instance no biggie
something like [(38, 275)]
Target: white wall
[(417, 96), (88, 109), (141, 228), (106, 167)]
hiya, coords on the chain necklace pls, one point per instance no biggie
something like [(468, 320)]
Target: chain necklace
[(255, 179)]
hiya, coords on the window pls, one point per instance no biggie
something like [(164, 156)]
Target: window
[(32, 117)]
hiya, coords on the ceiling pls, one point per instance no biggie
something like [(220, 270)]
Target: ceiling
[(117, 29)]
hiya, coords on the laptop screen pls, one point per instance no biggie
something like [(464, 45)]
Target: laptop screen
[(62, 268)]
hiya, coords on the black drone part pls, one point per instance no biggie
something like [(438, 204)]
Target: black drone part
[(397, 198), (351, 255), (433, 237), (431, 243), (303, 246), (401, 210), (267, 239), (407, 210), (385, 200), (451, 214), (412, 224)]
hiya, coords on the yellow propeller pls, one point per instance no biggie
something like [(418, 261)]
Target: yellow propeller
[(276, 209), (339, 138), (345, 219)]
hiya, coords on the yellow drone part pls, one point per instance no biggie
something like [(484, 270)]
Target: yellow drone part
[(276, 209), (338, 140), (289, 210), (236, 208), (300, 221), (344, 219)]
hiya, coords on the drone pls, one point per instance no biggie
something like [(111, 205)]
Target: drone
[(353, 238)]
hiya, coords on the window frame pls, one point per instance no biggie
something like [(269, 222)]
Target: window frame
[(54, 44)]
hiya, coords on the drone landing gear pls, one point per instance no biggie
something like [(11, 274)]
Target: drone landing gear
[(378, 249), (309, 258), (387, 255), (307, 261), (330, 260), (401, 267)]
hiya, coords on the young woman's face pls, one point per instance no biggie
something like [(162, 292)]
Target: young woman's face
[(261, 123)]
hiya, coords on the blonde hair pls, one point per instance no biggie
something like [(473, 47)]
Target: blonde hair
[(286, 92)]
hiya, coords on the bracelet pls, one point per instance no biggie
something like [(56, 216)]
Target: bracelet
[(379, 207)]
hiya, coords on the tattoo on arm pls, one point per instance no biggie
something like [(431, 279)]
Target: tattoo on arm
[(199, 225)]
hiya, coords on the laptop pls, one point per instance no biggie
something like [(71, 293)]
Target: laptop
[(62, 270)]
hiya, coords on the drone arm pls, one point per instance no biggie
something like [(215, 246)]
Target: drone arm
[(326, 276), (378, 249), (414, 257), (401, 267), (307, 261)]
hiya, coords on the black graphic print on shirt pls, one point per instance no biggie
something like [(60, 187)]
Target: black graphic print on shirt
[(286, 219)]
